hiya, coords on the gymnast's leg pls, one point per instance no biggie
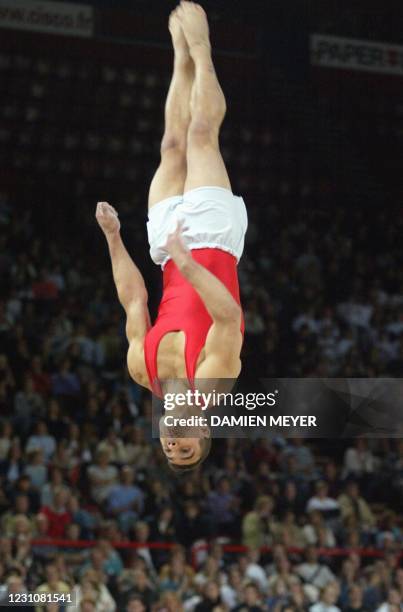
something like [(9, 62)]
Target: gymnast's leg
[(205, 165), (170, 177)]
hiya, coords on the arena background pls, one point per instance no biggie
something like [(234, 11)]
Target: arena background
[(87, 503)]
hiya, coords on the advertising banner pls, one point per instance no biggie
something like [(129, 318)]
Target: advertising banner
[(48, 17), (355, 54)]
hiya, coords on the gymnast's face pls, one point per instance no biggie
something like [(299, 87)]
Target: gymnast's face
[(181, 451), (183, 444)]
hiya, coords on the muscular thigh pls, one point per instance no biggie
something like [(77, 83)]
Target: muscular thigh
[(169, 180), (205, 165)]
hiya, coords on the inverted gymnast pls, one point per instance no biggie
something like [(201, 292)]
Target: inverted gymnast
[(196, 232)]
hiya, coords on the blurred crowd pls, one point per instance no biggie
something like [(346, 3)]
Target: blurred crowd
[(323, 295), (77, 462)]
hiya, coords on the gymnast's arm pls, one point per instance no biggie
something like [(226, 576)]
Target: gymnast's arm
[(224, 340), (131, 290)]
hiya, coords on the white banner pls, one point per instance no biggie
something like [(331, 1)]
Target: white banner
[(354, 54), (45, 16)]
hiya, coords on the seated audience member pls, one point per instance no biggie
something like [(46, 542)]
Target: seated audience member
[(321, 500), (125, 501), (252, 600), (352, 504), (57, 514), (257, 525), (327, 600), (316, 532), (312, 571), (102, 477)]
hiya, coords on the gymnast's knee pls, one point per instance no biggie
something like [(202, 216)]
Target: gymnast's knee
[(203, 131), (174, 145)]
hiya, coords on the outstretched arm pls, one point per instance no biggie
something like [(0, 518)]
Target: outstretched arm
[(130, 288), (128, 279)]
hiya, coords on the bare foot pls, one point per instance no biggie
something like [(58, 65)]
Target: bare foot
[(179, 42), (194, 23)]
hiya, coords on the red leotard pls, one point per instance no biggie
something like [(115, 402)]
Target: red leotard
[(181, 309)]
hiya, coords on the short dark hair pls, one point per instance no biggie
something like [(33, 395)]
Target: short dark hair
[(205, 445)]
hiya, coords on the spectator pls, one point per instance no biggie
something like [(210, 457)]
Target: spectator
[(138, 450), (252, 601), (142, 585), (21, 508), (92, 589), (6, 433), (74, 554), (114, 446), (327, 600), (192, 525), (57, 514), (12, 467), (303, 457), (314, 572), (135, 604), (14, 584), (168, 602), (102, 476), (252, 569), (225, 506), (125, 501), (35, 469), (211, 598), (257, 525), (176, 575), (283, 573), (321, 500), (41, 440), (55, 421), (6, 377), (209, 571), (113, 565), (352, 505), (49, 489), (332, 478), (288, 532), (65, 383), (163, 529), (291, 499), (231, 592), (142, 534), (52, 584), (316, 532), (355, 600), (86, 520), (358, 460), (393, 602), (27, 405), (24, 486), (40, 378)]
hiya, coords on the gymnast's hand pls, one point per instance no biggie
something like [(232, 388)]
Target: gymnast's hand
[(176, 246), (107, 218)]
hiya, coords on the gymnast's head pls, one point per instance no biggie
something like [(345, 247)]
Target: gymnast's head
[(185, 438), (184, 430), (185, 454)]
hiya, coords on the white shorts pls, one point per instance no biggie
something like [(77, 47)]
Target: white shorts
[(214, 218)]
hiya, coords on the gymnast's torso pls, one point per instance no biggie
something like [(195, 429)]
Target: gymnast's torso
[(174, 346)]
